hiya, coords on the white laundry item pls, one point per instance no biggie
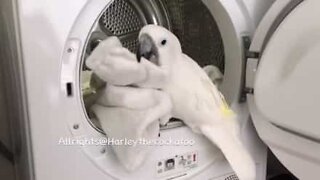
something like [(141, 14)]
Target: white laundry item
[(133, 114), (128, 112), (134, 98), (116, 65), (214, 74)]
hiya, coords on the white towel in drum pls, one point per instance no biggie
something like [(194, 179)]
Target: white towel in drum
[(214, 74), (118, 66), (128, 112), (133, 114)]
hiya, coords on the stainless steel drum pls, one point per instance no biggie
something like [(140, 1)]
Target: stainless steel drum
[(125, 18), (190, 20)]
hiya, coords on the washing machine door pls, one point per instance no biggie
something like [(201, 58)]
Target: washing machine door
[(282, 84)]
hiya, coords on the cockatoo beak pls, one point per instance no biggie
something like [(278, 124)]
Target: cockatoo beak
[(147, 49)]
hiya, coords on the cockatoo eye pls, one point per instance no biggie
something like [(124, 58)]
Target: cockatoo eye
[(163, 42)]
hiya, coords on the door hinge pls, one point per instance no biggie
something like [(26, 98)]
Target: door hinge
[(250, 65), (246, 47)]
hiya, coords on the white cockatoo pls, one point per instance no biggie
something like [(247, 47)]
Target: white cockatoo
[(196, 100)]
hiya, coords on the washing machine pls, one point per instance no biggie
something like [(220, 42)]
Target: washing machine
[(267, 51)]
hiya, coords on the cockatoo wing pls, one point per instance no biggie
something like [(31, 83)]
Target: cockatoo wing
[(221, 126)]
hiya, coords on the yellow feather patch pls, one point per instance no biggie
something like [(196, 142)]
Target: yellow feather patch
[(226, 111)]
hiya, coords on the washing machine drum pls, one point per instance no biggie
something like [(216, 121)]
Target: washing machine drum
[(202, 41), (124, 19)]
